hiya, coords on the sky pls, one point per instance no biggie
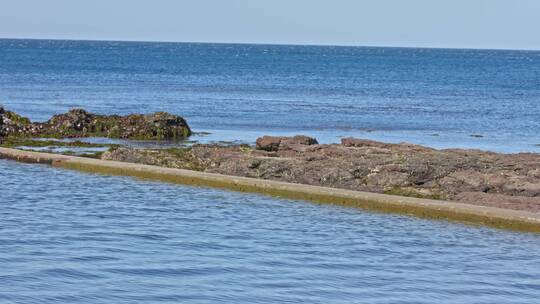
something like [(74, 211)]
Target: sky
[(499, 24)]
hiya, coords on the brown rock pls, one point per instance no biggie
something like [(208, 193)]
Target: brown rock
[(500, 201), (268, 143), (356, 142), (275, 143), (472, 176)]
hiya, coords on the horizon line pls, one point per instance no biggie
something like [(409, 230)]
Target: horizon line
[(276, 44)]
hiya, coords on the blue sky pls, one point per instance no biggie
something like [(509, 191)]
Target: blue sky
[(508, 24)]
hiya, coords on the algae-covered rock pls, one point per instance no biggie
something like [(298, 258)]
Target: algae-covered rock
[(80, 123), (12, 123), (180, 158)]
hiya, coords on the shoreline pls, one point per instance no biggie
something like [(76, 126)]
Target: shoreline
[(380, 175), (424, 208)]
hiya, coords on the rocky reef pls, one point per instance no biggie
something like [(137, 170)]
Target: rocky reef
[(11, 124), (471, 176), (80, 123)]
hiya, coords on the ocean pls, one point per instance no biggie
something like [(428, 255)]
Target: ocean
[(443, 98)]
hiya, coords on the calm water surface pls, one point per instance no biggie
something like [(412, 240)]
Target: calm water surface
[(433, 97), (68, 237)]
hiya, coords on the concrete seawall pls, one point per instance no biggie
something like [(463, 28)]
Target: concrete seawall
[(494, 217)]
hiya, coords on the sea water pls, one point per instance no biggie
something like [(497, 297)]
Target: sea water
[(69, 237), (487, 99)]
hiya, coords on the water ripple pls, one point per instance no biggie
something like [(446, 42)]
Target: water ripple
[(68, 237)]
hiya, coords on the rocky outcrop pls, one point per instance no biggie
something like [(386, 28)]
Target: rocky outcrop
[(80, 123), (504, 180), (275, 143), (471, 176), (12, 124)]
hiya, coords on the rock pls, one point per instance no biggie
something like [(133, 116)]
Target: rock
[(359, 143), (298, 140), (13, 124), (534, 173), (2, 112), (356, 142), (471, 176), (127, 155), (465, 180), (159, 125), (180, 158), (80, 123), (268, 143), (364, 165), (74, 120), (531, 204), (275, 143), (2, 130)]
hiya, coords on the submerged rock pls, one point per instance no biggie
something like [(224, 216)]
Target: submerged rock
[(80, 123)]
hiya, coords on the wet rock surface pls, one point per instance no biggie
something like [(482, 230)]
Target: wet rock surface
[(80, 123), (471, 176)]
